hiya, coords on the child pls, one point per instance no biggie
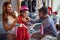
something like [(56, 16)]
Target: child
[(22, 31)]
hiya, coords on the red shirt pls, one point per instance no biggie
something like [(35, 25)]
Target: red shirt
[(21, 21), (22, 32)]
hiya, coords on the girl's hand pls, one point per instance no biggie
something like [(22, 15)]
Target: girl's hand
[(24, 19), (28, 19)]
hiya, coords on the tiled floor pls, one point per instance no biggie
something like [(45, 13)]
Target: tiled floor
[(3, 36)]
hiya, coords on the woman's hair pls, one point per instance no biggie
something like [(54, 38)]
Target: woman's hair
[(5, 5), (43, 10), (4, 11)]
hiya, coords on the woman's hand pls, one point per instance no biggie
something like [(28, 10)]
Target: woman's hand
[(16, 20), (9, 27)]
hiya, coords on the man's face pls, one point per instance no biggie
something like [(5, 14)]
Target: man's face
[(40, 15)]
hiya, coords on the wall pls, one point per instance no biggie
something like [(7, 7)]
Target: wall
[(55, 6), (1, 3), (14, 3)]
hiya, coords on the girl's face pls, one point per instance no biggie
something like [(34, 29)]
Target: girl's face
[(9, 8), (25, 13)]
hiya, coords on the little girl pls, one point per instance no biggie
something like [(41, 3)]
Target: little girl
[(22, 31)]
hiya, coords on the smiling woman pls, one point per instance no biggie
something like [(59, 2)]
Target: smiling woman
[(9, 19)]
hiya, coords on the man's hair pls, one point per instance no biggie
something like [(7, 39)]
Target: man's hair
[(43, 10)]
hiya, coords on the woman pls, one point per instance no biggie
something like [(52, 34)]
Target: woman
[(9, 18), (22, 32)]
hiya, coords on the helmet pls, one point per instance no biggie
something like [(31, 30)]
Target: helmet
[(23, 8)]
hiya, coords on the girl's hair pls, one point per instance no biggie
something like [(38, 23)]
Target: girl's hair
[(21, 12), (4, 15)]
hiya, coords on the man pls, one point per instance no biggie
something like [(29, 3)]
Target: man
[(47, 22)]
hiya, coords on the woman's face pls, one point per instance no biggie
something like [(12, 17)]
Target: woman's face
[(25, 13), (9, 8)]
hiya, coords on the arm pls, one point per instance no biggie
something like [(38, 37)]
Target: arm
[(6, 26), (53, 28), (33, 21)]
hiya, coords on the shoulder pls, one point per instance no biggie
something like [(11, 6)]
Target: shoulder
[(16, 13), (47, 22)]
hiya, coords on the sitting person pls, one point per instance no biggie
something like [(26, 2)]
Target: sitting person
[(47, 22)]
